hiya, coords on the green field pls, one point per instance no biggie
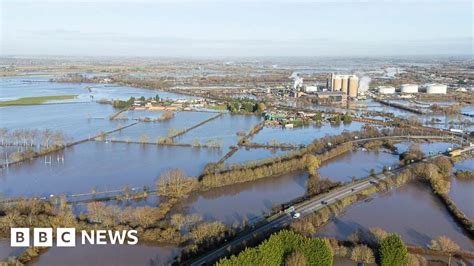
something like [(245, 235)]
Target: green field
[(37, 100)]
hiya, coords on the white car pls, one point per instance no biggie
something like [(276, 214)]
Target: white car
[(296, 215)]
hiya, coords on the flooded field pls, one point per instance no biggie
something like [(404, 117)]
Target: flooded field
[(76, 120), (248, 200), (6, 250), (390, 212), (426, 147), (155, 130), (224, 129), (462, 190), (140, 254), (360, 162), (247, 154), (103, 166), (12, 88), (303, 135)]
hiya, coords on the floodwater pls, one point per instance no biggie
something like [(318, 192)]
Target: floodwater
[(223, 128), (426, 147), (76, 120), (12, 88), (356, 163), (137, 114), (302, 135), (405, 211), (247, 201), (7, 251), (155, 130), (250, 200), (101, 165), (462, 191), (140, 254), (249, 154)]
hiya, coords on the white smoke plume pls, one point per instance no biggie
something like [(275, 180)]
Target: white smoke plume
[(364, 83), (298, 81)]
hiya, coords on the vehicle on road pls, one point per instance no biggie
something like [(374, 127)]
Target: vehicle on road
[(296, 215), (323, 202), (353, 189), (373, 182)]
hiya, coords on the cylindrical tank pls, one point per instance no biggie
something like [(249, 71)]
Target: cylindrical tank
[(337, 83), (353, 86), (345, 84), (409, 88), (436, 89)]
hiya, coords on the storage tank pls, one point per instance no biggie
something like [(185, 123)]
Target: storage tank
[(353, 86), (337, 83), (386, 90), (436, 89), (311, 89), (345, 84), (409, 88)]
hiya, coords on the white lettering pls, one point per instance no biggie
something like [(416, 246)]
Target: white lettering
[(90, 238), (132, 234), (117, 235), (101, 237)]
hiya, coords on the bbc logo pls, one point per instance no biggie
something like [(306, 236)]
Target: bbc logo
[(42, 237)]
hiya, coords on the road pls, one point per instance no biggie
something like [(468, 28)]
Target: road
[(304, 208)]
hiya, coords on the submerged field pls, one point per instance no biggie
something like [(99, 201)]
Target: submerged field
[(37, 100), (132, 157)]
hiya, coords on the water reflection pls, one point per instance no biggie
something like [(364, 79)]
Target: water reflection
[(405, 211)]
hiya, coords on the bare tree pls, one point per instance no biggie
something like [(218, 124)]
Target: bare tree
[(175, 184), (3, 135)]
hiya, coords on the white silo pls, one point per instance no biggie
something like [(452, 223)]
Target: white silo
[(436, 89), (409, 88)]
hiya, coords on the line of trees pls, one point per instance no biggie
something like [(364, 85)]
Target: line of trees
[(32, 137)]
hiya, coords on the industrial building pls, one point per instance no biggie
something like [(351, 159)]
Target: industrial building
[(347, 84), (386, 90), (409, 88), (436, 88), (331, 97), (311, 89)]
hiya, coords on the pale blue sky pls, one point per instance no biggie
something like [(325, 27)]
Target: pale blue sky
[(236, 28)]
